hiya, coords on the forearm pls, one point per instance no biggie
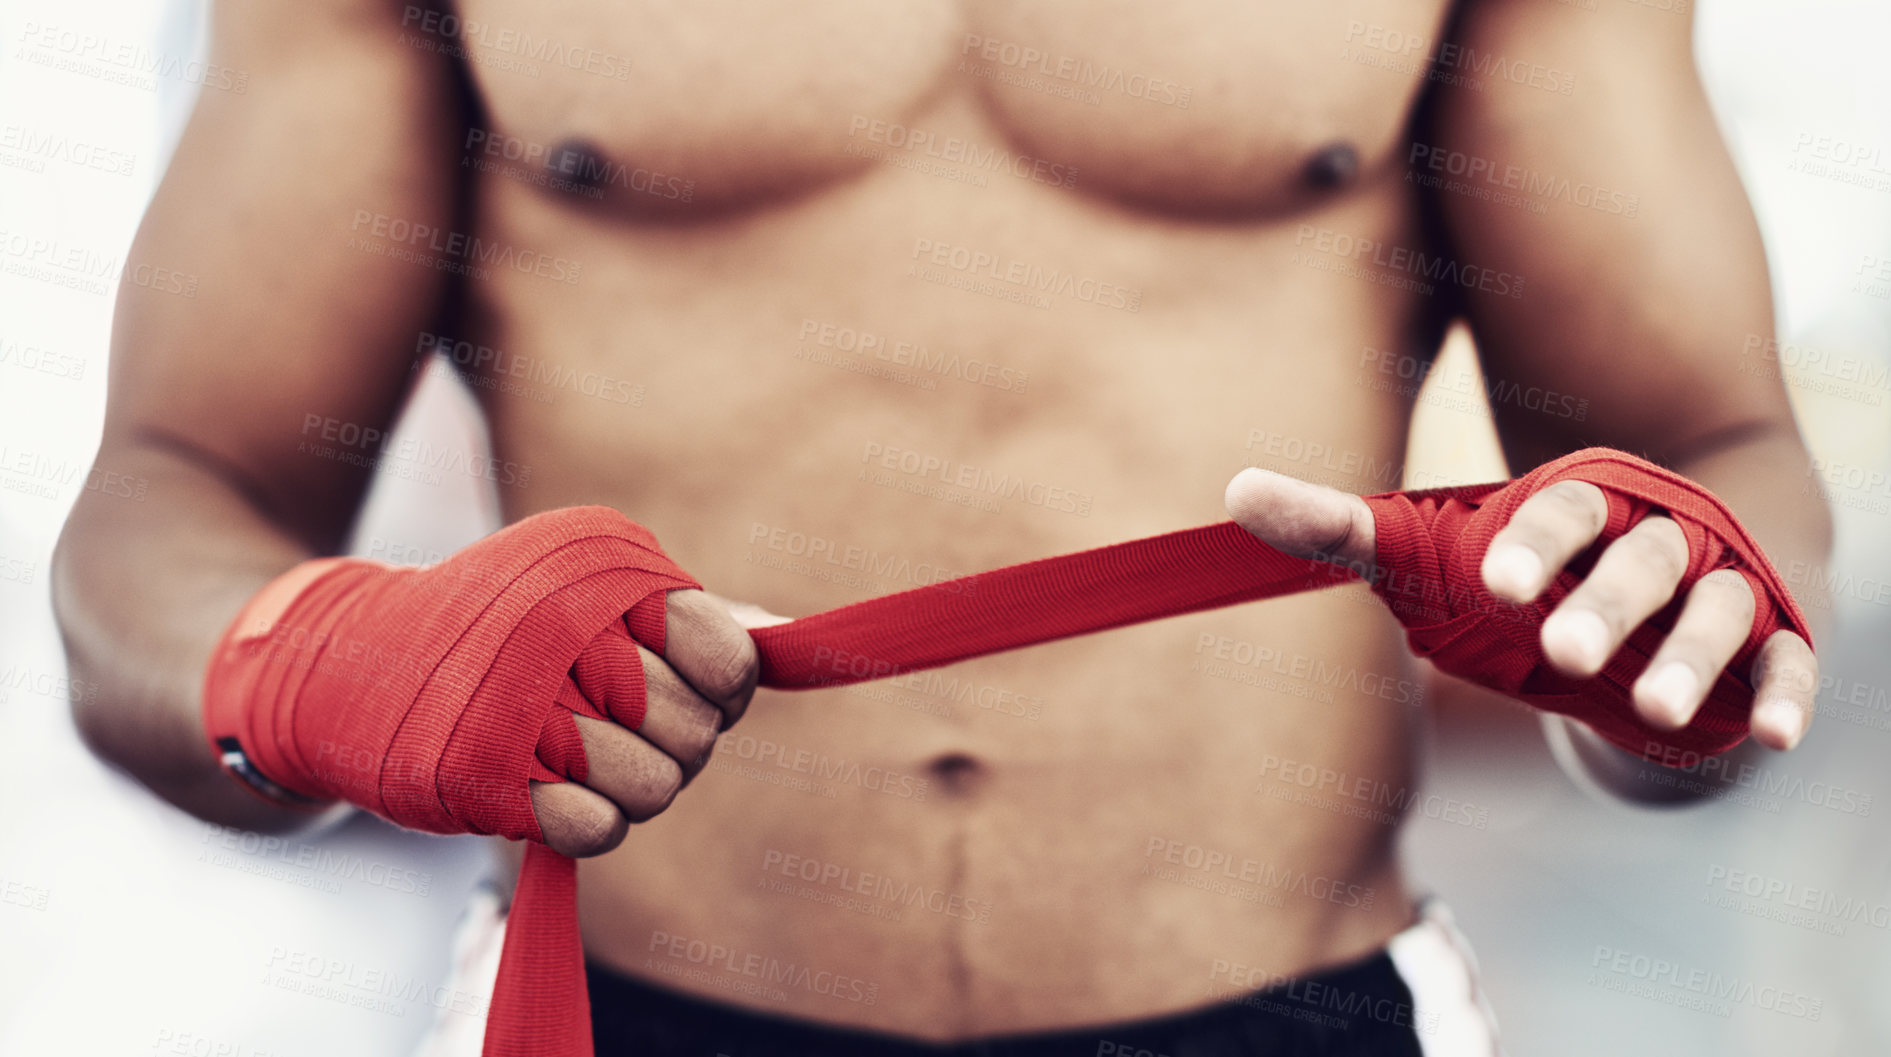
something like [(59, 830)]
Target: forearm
[(142, 591), (1766, 478)]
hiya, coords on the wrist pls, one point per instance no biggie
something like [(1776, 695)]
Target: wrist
[(247, 664)]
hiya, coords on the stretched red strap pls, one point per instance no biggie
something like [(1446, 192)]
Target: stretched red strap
[(1039, 601), (478, 668)]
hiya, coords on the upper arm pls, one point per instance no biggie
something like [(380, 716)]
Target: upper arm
[(1643, 277), (281, 318)]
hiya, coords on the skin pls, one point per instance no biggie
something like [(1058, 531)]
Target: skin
[(1243, 325)]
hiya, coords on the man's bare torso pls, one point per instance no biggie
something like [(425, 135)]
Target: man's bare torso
[(867, 296)]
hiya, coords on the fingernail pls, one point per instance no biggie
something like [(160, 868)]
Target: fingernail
[(1586, 634), (1514, 570), (1675, 689), (1784, 716)]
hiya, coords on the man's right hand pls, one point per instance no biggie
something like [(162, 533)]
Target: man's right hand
[(554, 681), (636, 769)]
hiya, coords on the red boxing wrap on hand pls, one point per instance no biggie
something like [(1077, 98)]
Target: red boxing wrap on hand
[(1430, 549), (431, 697)]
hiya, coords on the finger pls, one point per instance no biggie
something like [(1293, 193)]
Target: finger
[(710, 650), (1301, 518), (635, 775), (748, 614), (1636, 575), (610, 675), (678, 720), (1712, 627), (1550, 528), (1787, 676), (577, 821), (640, 692)]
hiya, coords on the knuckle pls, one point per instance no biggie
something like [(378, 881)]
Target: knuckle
[(578, 826), (1799, 679), (1663, 549), (596, 830), (1729, 588), (657, 789), (703, 733), (1606, 599), (731, 664), (1577, 504)]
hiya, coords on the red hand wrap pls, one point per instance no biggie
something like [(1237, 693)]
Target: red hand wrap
[(1431, 546), (431, 697)]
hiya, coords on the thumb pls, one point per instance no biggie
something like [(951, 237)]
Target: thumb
[(1303, 519), (749, 615)]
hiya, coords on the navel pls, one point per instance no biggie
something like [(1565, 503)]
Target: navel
[(1332, 166), (956, 773)]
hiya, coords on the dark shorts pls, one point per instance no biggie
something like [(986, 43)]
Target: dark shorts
[(1362, 1009)]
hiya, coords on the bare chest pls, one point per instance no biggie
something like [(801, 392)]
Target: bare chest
[(1190, 106)]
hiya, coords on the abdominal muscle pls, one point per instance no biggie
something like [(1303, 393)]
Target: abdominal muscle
[(1068, 834)]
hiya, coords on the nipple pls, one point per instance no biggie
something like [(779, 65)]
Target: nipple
[(1333, 166)]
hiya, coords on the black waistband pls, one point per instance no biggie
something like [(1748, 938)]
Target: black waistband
[(1358, 1010)]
